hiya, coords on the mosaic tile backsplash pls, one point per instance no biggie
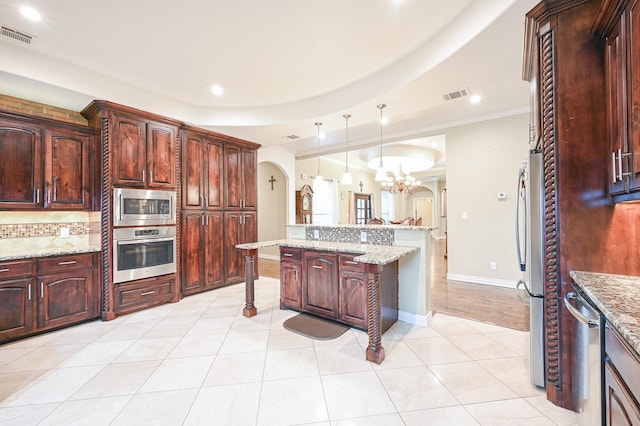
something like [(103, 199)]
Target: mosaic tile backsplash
[(382, 236)]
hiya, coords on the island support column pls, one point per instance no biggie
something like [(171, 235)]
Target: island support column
[(375, 351), (249, 278)]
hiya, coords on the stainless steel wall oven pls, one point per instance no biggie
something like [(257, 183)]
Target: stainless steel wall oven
[(143, 252)]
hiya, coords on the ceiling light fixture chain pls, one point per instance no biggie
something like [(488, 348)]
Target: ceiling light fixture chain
[(319, 177), (402, 183), (346, 176), (381, 174)]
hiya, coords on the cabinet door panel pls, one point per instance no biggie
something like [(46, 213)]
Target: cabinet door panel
[(320, 290), (621, 409), (353, 298), (16, 314), (290, 285), (214, 155), (65, 299), (192, 170), (67, 175), (234, 263), (161, 147), (633, 49), (20, 165), (129, 151), (233, 178), (616, 110), (192, 253), (249, 185), (214, 249)]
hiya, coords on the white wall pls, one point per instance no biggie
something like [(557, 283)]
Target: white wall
[(272, 203), (482, 160)]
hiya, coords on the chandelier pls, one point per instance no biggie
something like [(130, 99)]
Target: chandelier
[(400, 183)]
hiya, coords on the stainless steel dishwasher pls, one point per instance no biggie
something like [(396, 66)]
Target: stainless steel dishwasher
[(588, 372)]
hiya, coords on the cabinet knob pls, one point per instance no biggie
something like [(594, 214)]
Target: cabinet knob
[(316, 267)]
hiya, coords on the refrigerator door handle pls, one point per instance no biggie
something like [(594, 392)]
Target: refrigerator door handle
[(522, 195), (523, 293)]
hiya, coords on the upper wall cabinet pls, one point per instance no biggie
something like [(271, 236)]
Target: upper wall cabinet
[(144, 152), (202, 171), (616, 22), (141, 145), (241, 184), (44, 164)]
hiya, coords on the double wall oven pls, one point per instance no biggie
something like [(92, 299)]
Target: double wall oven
[(144, 234)]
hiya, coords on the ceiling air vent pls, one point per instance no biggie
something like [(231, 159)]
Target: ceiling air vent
[(455, 95), (293, 137), (16, 35)]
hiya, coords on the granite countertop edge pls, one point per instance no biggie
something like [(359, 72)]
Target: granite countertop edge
[(618, 298), (385, 226), (371, 253), (46, 252)]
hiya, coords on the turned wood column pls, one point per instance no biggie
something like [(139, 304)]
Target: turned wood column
[(375, 351), (249, 260)]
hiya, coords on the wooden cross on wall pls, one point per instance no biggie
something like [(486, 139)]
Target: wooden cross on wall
[(271, 181)]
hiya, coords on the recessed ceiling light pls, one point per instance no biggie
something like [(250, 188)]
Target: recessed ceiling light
[(217, 90), (475, 99), (30, 13)]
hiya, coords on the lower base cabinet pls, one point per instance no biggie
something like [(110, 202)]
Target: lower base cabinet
[(334, 286), (142, 294), (621, 381), (41, 294)]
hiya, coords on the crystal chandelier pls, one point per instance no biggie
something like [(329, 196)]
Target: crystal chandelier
[(401, 183)]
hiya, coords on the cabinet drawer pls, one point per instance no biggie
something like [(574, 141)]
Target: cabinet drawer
[(623, 359), (64, 263), (17, 268), (347, 262), (290, 253), (143, 294)]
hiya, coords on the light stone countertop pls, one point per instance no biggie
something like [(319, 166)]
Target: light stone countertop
[(371, 253), (385, 226), (28, 253), (618, 298)]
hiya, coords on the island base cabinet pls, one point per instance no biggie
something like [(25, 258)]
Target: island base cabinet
[(291, 278), (320, 284)]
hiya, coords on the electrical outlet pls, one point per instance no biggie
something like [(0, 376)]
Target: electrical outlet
[(363, 236), (64, 232), (493, 266), (465, 215), (316, 234)]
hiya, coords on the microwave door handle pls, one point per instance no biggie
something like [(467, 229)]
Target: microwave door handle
[(120, 205)]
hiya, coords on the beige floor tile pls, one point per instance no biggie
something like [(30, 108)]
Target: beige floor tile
[(436, 350), (9, 353), (171, 327), (446, 416), (26, 415), (41, 358), (244, 341), (57, 385), (559, 416), (148, 349), (94, 412), (228, 369), (98, 353), (348, 358), (204, 326), (292, 401), (513, 372), (179, 373), (291, 363), (480, 346), (450, 326), (159, 408), (14, 381), (127, 331), (397, 355), (381, 420), (470, 382), (356, 395), (516, 341), (507, 412), (117, 379), (225, 405), (201, 345), (415, 389), (288, 340)]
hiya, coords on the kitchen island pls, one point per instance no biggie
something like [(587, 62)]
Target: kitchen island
[(409, 246)]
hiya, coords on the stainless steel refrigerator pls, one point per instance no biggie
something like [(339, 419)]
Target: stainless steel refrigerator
[(529, 241)]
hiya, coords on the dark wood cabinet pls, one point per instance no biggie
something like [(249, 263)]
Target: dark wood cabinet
[(46, 293), (202, 252), (333, 285), (239, 227), (320, 283), (202, 171), (141, 294), (144, 152), (621, 381), (45, 164), (17, 289), (67, 173), (290, 278), (240, 165)]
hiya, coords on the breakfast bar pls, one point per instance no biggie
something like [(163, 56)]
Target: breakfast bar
[(373, 259)]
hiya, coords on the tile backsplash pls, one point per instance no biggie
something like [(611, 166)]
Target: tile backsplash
[(377, 236)]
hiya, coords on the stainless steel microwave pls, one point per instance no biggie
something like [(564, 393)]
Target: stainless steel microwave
[(143, 207)]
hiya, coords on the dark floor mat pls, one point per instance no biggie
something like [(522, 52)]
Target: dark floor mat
[(315, 327)]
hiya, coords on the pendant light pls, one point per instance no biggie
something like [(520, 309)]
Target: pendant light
[(381, 175), (346, 176), (319, 177)]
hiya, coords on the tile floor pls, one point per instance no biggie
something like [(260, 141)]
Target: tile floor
[(200, 362)]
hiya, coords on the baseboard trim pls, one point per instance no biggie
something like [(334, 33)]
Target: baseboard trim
[(408, 317), (482, 280)]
